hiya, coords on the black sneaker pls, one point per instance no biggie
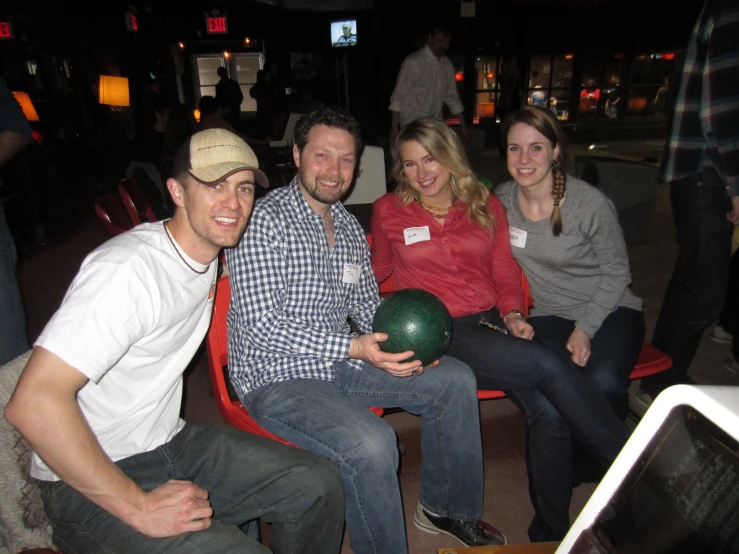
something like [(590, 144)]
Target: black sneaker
[(469, 533)]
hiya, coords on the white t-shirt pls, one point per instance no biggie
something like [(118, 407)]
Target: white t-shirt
[(131, 321), (424, 84)]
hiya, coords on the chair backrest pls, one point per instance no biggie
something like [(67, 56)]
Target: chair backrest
[(137, 204), (289, 133), (112, 214), (370, 182), (216, 343)]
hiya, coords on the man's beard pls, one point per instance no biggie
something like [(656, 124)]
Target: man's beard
[(325, 196)]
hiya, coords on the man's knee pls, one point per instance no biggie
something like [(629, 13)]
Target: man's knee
[(457, 376)]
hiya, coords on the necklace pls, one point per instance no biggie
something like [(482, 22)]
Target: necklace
[(166, 231), (442, 212)]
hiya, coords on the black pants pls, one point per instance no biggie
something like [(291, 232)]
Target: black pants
[(695, 295)]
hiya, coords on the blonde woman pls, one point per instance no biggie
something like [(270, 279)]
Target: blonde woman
[(442, 231)]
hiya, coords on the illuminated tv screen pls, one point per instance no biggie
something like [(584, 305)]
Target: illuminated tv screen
[(344, 33)]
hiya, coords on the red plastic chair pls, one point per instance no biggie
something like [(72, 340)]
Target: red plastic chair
[(111, 213), (136, 203), (650, 361), (216, 343)]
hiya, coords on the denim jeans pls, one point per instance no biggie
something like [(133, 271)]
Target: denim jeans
[(557, 401), (552, 452), (247, 477), (332, 420), (697, 288), (13, 339)]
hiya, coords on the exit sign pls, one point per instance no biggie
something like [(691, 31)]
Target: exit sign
[(6, 30), (216, 25)]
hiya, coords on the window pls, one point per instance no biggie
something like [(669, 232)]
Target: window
[(486, 85), (242, 68), (650, 84), (550, 77), (600, 75)]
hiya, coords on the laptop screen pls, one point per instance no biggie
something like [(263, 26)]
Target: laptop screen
[(680, 497)]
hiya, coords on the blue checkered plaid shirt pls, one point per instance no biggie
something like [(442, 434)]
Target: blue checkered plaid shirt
[(289, 306), (704, 131)]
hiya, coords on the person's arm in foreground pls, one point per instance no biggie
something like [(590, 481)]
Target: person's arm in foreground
[(44, 409), (15, 132)]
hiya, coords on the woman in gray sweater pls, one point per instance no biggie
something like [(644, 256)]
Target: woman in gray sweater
[(566, 236)]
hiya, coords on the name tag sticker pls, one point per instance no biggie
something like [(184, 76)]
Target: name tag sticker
[(416, 234), (518, 237), (351, 274)]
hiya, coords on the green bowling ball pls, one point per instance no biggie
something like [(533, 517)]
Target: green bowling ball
[(417, 320)]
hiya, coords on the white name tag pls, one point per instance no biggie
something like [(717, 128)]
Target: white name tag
[(416, 234), (351, 274), (518, 237)]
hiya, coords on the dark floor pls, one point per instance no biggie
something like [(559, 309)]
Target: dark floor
[(45, 273)]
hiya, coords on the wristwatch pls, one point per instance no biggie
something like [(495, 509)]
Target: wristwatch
[(512, 313)]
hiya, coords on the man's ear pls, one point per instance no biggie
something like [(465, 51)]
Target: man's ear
[(296, 155), (176, 191)]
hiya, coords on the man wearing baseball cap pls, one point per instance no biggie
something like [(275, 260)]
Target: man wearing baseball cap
[(100, 398)]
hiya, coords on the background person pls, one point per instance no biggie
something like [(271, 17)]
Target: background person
[(442, 231), (425, 83)]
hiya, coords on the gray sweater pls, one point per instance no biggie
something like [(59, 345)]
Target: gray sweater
[(582, 275)]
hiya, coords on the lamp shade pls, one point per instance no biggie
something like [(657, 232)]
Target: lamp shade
[(114, 91), (26, 105)]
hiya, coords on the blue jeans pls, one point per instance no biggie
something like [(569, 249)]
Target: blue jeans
[(13, 339), (551, 449), (696, 291), (247, 477), (332, 420), (557, 401)]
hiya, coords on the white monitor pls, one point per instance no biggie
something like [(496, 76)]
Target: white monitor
[(674, 488), (344, 33)]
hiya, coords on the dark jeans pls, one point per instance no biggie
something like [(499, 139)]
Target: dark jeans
[(696, 291), (550, 391), (247, 477), (729, 318), (549, 441), (13, 341)]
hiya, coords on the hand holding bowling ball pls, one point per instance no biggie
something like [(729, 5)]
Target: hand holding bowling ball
[(417, 320)]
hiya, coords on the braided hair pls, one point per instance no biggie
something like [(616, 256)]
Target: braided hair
[(544, 121)]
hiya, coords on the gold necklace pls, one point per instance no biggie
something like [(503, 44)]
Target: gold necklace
[(166, 231), (443, 212)]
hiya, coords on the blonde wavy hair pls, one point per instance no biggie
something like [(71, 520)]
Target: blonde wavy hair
[(444, 146)]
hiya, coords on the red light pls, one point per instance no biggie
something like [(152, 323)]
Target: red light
[(6, 31), (134, 25), (38, 137), (216, 25), (668, 56), (459, 76)]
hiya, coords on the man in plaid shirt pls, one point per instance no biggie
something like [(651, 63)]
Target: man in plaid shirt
[(301, 270), (701, 163)]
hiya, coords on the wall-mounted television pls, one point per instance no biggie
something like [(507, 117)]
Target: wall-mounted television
[(344, 33)]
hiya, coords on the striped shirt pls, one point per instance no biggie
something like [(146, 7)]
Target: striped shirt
[(289, 299), (704, 131)]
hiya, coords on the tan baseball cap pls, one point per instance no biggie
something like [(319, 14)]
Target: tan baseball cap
[(213, 155)]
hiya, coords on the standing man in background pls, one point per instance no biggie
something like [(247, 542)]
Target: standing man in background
[(228, 93), (701, 164), (425, 83), (15, 135)]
